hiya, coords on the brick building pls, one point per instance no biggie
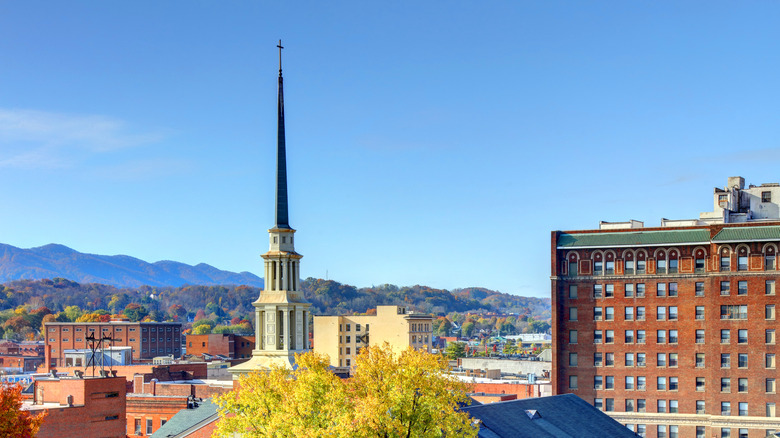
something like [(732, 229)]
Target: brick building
[(147, 339), (229, 346), (340, 337), (87, 408), (672, 330)]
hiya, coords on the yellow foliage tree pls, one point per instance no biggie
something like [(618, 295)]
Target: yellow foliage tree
[(390, 395)]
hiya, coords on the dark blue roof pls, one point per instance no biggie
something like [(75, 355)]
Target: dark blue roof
[(558, 416)]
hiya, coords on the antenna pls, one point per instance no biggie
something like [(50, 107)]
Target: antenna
[(96, 344)]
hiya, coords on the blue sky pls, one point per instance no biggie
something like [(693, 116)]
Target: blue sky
[(433, 143)]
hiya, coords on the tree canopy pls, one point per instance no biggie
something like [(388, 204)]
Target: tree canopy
[(389, 395), (15, 422)]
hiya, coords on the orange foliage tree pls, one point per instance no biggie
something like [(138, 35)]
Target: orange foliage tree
[(15, 422)]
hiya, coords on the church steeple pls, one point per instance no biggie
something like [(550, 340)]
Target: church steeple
[(281, 312), (282, 221)]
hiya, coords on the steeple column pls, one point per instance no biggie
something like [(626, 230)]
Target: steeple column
[(286, 328)]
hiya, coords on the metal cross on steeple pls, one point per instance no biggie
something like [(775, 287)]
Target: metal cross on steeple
[(280, 56), (281, 161)]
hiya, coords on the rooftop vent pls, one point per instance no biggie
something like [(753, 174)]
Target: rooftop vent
[(533, 414)]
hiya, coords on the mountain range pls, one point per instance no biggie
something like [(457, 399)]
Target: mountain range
[(53, 260)]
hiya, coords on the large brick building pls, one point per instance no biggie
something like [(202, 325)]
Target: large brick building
[(672, 330), (147, 339), (227, 345)]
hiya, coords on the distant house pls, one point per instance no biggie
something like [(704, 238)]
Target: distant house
[(558, 416), (198, 420)]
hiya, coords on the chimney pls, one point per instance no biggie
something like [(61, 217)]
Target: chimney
[(47, 359), (138, 383), (153, 386)]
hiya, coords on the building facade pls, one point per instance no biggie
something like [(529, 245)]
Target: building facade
[(342, 337), (672, 330), (227, 345), (147, 339)]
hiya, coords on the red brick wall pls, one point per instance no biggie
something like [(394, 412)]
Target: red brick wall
[(686, 325)]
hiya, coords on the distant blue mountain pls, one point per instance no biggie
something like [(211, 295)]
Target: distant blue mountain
[(51, 261)]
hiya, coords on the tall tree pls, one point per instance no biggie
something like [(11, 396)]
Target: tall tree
[(390, 395)]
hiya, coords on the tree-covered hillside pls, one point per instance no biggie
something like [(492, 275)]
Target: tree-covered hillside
[(24, 304)]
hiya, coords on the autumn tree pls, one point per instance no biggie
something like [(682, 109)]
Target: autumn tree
[(390, 395), (15, 422), (455, 350)]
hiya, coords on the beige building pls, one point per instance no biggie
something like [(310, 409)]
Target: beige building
[(341, 337)]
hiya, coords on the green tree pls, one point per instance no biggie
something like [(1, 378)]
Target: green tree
[(467, 329), (455, 350), (203, 329), (390, 395), (135, 312), (73, 313)]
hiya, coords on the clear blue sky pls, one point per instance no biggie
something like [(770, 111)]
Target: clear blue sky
[(433, 143)]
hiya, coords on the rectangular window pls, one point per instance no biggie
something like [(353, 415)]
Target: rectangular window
[(572, 269), (630, 383), (641, 383), (598, 382), (660, 336), (609, 313), (700, 336), (660, 313), (138, 430), (742, 263), (769, 337), (660, 359), (674, 407), (149, 427), (609, 336), (699, 288), (597, 313), (640, 313), (640, 266), (725, 360), (700, 407), (766, 196), (661, 408), (629, 290), (598, 291), (628, 313), (699, 360), (629, 405), (572, 382), (725, 384), (609, 290), (572, 336), (725, 336), (672, 313), (609, 404), (629, 359), (672, 289), (660, 429), (598, 403), (742, 360), (349, 327), (597, 336), (640, 290), (640, 336), (699, 266), (725, 263), (769, 262), (742, 287), (629, 336), (742, 336), (725, 432), (660, 267), (725, 287), (742, 384), (769, 287), (572, 313), (660, 383), (573, 291), (725, 408), (769, 360), (743, 433), (700, 383), (640, 359), (660, 290), (641, 406), (770, 410), (572, 359), (609, 359), (770, 385), (673, 336), (733, 312), (769, 311), (629, 267), (673, 264), (598, 268), (609, 382), (699, 312)]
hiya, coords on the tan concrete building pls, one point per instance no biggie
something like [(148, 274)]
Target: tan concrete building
[(341, 337)]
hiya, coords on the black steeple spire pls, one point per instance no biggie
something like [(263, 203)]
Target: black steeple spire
[(281, 161)]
